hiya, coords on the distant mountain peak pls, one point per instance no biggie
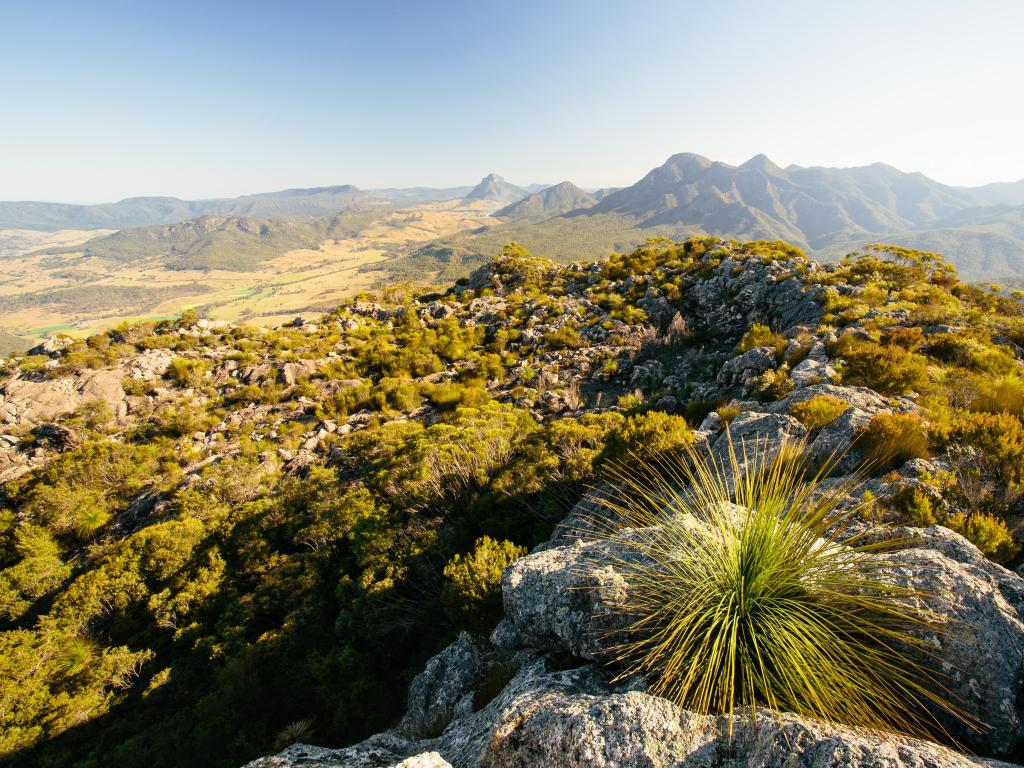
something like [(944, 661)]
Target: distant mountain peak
[(494, 187), (689, 160), (763, 163), (558, 198)]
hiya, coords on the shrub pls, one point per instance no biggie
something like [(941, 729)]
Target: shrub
[(890, 370), (731, 611), (892, 439), (818, 411), (295, 732), (728, 412), (472, 589), (653, 433), (997, 440), (909, 339), (565, 337), (774, 384), (990, 534), (915, 506), (188, 372), (1005, 393), (967, 351), (761, 336)]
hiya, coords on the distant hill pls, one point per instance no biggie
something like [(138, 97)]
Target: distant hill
[(1000, 193), (561, 198), (150, 211), (221, 242), (494, 187)]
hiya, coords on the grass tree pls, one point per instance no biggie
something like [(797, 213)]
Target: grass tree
[(747, 588)]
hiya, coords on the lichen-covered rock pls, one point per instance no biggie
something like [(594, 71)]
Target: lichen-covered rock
[(979, 651), (450, 685), (380, 751), (741, 370), (562, 599), (578, 730), (753, 433), (570, 598)]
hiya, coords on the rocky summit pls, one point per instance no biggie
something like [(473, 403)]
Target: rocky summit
[(374, 528)]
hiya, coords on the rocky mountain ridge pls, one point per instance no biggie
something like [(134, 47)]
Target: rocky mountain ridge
[(545, 368)]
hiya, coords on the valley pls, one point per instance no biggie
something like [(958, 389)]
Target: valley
[(51, 283)]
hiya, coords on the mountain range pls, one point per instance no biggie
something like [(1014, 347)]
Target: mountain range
[(808, 206), (315, 201), (238, 243), (826, 211), (149, 211)]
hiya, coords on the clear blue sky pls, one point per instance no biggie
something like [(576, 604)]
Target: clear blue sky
[(104, 100)]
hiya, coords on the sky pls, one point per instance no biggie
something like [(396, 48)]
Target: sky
[(105, 100)]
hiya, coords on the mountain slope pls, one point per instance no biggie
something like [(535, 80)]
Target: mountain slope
[(149, 211), (494, 187), (561, 198), (220, 539), (220, 242)]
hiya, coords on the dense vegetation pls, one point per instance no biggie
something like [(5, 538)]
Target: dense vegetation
[(288, 523)]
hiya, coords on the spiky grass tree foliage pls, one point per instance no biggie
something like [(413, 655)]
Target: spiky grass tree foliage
[(740, 594)]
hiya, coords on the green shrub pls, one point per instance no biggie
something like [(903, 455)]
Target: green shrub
[(909, 339), (728, 612), (728, 412), (472, 589), (1005, 393), (565, 337), (890, 370), (761, 336), (393, 394), (891, 439), (187, 371), (990, 534), (652, 434), (818, 411), (774, 384), (915, 506), (997, 440)]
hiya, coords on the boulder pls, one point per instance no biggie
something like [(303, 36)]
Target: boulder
[(580, 730), (451, 684), (810, 371), (741, 370), (561, 599), (32, 402), (578, 718)]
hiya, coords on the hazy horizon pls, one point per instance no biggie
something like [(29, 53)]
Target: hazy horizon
[(473, 182), (117, 100)]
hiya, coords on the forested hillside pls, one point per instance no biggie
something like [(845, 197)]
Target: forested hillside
[(217, 540)]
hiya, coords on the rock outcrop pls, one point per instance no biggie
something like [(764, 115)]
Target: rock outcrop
[(560, 603)]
